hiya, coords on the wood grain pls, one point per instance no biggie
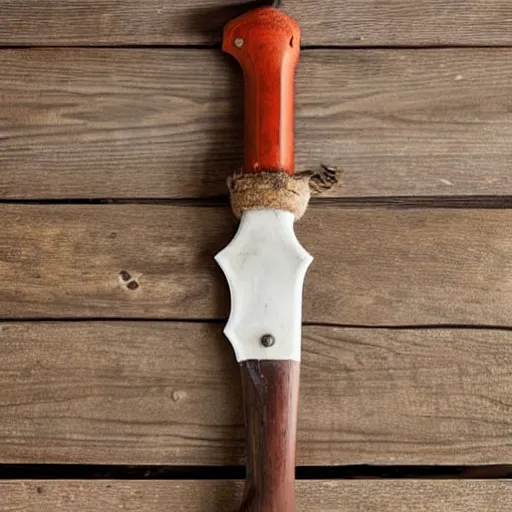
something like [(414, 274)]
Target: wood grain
[(169, 393), (352, 22), (270, 392), (168, 123), (372, 266), (219, 496)]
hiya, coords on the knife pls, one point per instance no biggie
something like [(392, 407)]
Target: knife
[(264, 264)]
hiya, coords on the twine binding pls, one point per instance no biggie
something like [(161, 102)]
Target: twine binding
[(277, 190)]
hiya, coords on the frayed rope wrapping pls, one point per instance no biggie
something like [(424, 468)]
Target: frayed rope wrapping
[(277, 190)]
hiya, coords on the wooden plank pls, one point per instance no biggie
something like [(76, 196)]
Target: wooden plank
[(169, 393), (168, 123), (352, 22), (372, 266), (198, 496)]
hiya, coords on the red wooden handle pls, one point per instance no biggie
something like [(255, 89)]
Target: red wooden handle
[(266, 43)]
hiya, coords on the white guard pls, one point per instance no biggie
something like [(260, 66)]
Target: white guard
[(265, 266)]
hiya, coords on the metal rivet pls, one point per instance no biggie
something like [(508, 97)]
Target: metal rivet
[(239, 42), (267, 340)]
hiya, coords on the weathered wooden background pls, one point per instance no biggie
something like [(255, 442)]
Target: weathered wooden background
[(119, 121)]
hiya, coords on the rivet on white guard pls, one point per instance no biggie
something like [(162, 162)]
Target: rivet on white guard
[(265, 266)]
